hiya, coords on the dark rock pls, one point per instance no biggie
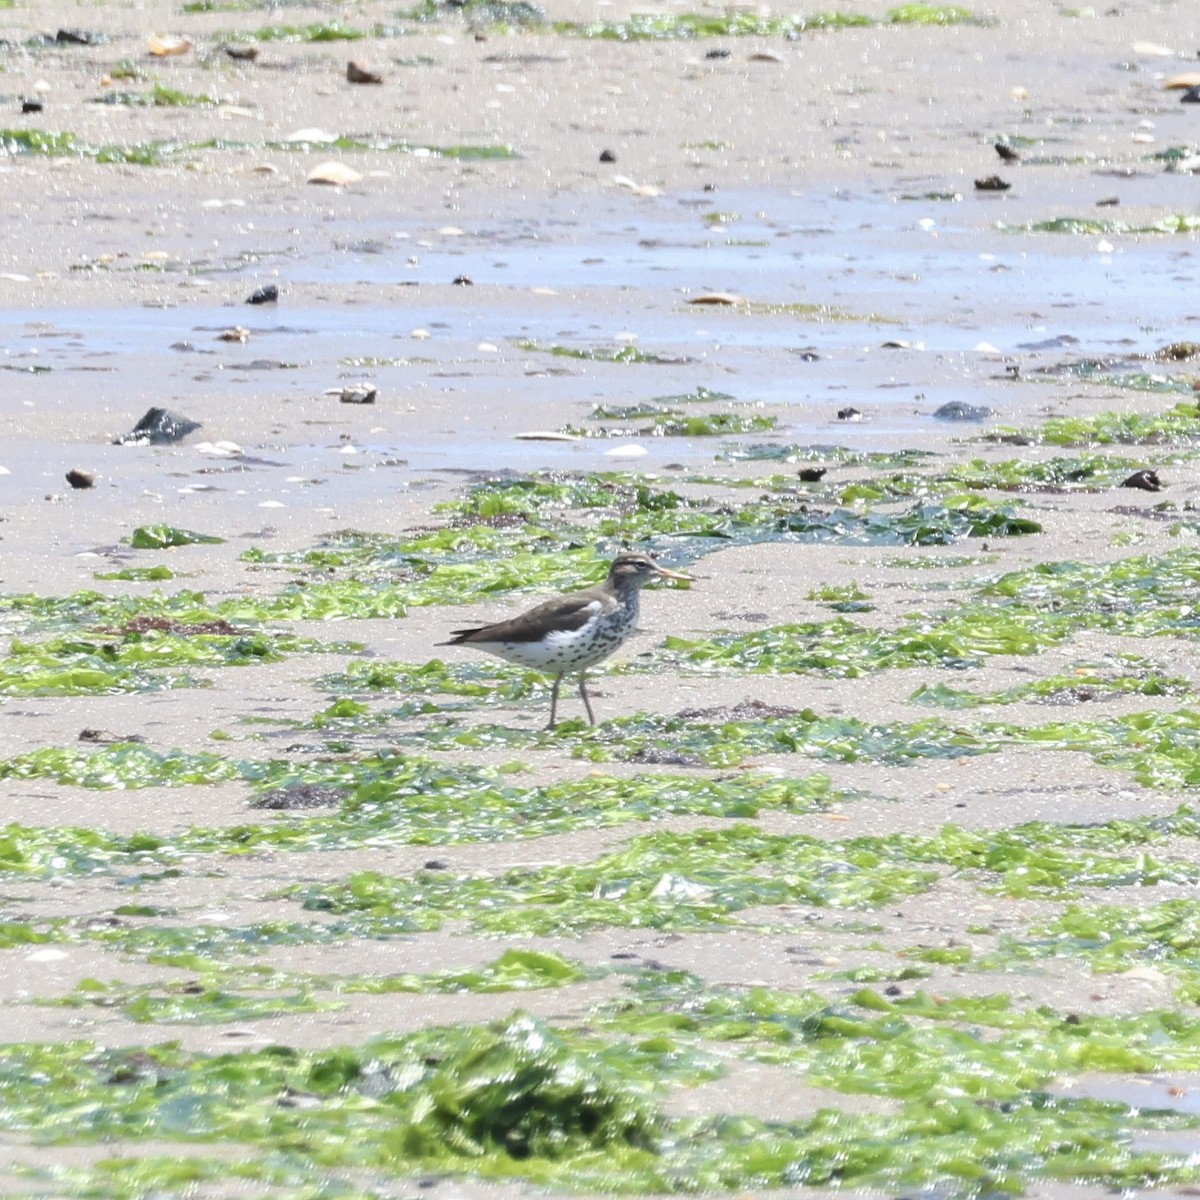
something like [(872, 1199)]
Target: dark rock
[(1108, 201), (241, 52), (435, 864), (719, 52), (463, 281), (607, 156), (359, 393), (1007, 153), (1191, 96), (31, 106), (849, 414), (357, 73), (159, 427), (992, 183), (267, 294), (956, 410), (812, 474), (75, 37), (1145, 479), (81, 479)]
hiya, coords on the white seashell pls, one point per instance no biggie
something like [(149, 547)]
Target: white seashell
[(311, 134), (334, 173), (629, 450), (544, 435)]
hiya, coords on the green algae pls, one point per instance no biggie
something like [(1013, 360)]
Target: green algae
[(166, 537), (1093, 226), (956, 639), (141, 658), (667, 422), (720, 878), (1130, 675), (160, 153), (521, 1099), (159, 96), (1082, 472), (718, 738), (317, 31), (661, 881), (1178, 425), (622, 354), (388, 800), (157, 574)]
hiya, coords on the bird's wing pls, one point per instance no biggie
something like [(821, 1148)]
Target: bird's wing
[(564, 614)]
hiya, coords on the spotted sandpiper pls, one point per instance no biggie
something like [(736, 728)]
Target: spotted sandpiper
[(568, 634)]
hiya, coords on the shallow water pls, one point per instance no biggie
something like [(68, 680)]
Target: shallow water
[(966, 301)]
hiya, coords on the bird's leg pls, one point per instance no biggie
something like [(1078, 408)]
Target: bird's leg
[(554, 700), (586, 702)]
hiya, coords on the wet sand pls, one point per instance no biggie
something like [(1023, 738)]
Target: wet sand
[(790, 173)]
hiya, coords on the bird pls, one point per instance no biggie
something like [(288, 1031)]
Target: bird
[(569, 634)]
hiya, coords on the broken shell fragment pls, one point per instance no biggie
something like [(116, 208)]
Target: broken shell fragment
[(164, 45)]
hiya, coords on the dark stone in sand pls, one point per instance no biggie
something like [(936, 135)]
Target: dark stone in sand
[(956, 410), (607, 156), (1191, 96), (80, 479), (719, 53), (849, 414), (302, 795), (1145, 479), (241, 52), (75, 37), (31, 106), (1007, 153), (357, 73), (812, 474), (992, 183), (267, 294), (159, 427), (463, 281)]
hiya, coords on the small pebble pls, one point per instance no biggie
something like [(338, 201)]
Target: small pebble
[(267, 294), (81, 479), (607, 156)]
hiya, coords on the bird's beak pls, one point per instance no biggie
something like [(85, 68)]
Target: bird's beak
[(663, 573)]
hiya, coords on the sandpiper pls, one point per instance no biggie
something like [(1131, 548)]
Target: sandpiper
[(567, 635)]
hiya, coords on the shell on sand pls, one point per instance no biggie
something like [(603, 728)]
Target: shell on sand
[(163, 45), (1182, 83), (334, 173)]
